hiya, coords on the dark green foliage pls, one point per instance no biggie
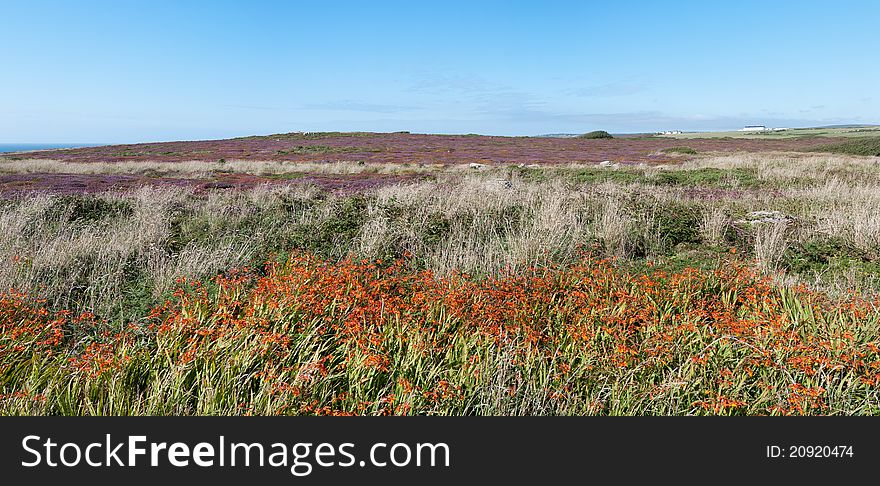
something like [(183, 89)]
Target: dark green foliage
[(742, 239), (596, 134), (314, 149), (687, 256), (324, 149), (711, 177), (677, 223), (349, 215), (137, 295), (324, 237), (833, 259), (436, 228), (869, 146), (306, 135), (680, 150), (818, 254), (600, 175), (707, 177)]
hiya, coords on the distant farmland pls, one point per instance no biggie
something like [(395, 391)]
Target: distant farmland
[(789, 133)]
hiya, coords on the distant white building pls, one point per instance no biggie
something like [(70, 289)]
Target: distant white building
[(670, 132), (753, 128)]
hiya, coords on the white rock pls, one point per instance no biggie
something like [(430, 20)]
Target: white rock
[(761, 217)]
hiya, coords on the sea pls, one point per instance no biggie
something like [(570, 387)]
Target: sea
[(18, 147)]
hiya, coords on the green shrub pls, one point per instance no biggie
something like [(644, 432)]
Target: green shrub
[(678, 223), (592, 176), (816, 255), (709, 177), (680, 150), (313, 150), (596, 134), (436, 228)]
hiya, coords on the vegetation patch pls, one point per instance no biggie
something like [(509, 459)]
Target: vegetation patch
[(315, 337), (596, 134), (868, 146), (550, 290), (317, 149), (681, 150), (709, 177), (88, 209)]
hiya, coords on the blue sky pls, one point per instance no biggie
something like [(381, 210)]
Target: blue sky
[(117, 71)]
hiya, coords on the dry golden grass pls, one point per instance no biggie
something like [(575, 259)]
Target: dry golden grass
[(490, 221), (713, 226), (793, 166), (201, 168)]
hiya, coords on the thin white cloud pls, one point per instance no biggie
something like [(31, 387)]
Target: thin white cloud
[(353, 105), (609, 90), (463, 84)]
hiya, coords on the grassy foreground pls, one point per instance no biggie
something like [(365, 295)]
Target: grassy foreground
[(312, 336)]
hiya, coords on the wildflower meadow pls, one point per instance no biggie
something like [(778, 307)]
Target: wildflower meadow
[(311, 336)]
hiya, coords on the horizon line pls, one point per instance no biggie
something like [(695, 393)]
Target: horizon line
[(545, 134)]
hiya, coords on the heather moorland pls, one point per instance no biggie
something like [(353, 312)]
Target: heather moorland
[(356, 273)]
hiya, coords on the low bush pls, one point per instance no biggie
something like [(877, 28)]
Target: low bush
[(680, 150), (596, 134)]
